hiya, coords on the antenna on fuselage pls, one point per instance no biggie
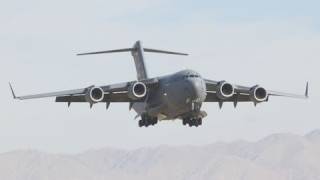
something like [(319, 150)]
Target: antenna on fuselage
[(137, 52)]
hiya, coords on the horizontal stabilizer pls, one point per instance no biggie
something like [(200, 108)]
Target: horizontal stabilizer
[(133, 50), (109, 51), (164, 52)]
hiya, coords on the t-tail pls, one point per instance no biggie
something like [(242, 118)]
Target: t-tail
[(137, 52)]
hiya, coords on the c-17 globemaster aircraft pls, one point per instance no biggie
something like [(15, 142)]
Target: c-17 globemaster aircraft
[(175, 96)]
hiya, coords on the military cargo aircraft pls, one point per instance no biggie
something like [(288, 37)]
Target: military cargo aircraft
[(175, 96)]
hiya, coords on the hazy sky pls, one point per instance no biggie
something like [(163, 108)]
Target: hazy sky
[(271, 43)]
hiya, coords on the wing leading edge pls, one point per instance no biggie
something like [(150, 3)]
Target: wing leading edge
[(112, 93), (242, 93), (51, 94), (305, 96)]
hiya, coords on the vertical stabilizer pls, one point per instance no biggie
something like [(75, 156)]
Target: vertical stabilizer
[(137, 52), (138, 56)]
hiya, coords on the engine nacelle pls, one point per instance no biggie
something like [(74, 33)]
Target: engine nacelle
[(258, 94), (137, 90), (94, 95), (225, 90)]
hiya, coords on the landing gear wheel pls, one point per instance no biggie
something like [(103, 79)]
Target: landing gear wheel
[(192, 122), (184, 121), (196, 122), (147, 121), (154, 121), (141, 123)]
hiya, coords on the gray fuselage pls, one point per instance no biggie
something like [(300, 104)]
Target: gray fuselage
[(177, 95)]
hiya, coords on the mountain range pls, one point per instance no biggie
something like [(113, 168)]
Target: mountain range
[(276, 157)]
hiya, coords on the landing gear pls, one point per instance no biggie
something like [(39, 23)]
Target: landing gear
[(147, 121), (184, 121), (192, 122)]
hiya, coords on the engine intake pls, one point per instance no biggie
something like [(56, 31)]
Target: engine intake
[(137, 90), (94, 95), (258, 94), (225, 90)]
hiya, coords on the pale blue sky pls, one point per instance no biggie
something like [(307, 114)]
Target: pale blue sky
[(227, 11), (273, 43)]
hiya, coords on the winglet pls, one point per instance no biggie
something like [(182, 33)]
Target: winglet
[(13, 94), (307, 90)]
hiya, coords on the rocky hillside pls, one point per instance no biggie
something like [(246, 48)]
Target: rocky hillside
[(278, 157)]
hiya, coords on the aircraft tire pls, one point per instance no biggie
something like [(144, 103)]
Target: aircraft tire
[(184, 121), (200, 121), (140, 123)]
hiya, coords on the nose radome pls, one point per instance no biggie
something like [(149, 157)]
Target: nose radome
[(197, 89)]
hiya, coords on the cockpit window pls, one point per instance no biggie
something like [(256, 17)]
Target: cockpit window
[(191, 76)]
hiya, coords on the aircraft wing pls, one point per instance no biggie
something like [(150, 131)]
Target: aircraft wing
[(242, 93), (112, 93)]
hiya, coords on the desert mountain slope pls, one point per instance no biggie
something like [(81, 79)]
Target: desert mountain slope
[(279, 157)]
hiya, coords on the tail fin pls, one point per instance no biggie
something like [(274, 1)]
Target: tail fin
[(138, 55)]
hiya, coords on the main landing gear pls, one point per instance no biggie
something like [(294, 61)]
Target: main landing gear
[(147, 121), (192, 122)]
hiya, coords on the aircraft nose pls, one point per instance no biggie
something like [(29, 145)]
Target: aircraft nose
[(197, 90)]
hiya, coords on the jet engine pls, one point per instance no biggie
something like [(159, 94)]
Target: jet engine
[(225, 90), (94, 95), (258, 94), (137, 90)]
